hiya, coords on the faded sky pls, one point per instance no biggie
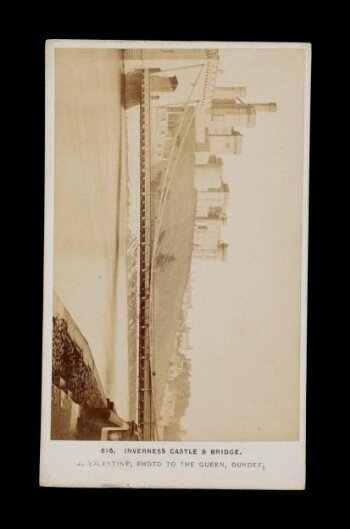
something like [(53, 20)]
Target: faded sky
[(245, 321)]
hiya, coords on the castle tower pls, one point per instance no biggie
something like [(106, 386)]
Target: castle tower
[(234, 113), (217, 197), (224, 140), (229, 112), (217, 253), (209, 174)]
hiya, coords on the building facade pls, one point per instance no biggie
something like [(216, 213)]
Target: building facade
[(226, 143), (233, 112), (208, 174), (207, 232), (217, 197), (218, 253)]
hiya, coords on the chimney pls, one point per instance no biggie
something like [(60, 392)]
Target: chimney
[(265, 107)]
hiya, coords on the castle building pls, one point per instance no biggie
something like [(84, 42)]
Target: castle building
[(207, 233), (174, 115), (159, 131), (224, 142), (221, 139), (164, 124), (217, 197), (234, 112), (207, 230), (216, 253), (171, 58), (208, 174)]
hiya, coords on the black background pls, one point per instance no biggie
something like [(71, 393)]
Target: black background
[(243, 23)]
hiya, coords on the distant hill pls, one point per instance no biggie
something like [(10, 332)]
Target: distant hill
[(173, 263)]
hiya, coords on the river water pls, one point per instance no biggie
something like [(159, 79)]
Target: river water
[(90, 225)]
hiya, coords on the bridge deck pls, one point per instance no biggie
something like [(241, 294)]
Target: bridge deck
[(145, 411)]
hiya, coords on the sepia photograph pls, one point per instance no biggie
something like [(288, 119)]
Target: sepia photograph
[(177, 242)]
